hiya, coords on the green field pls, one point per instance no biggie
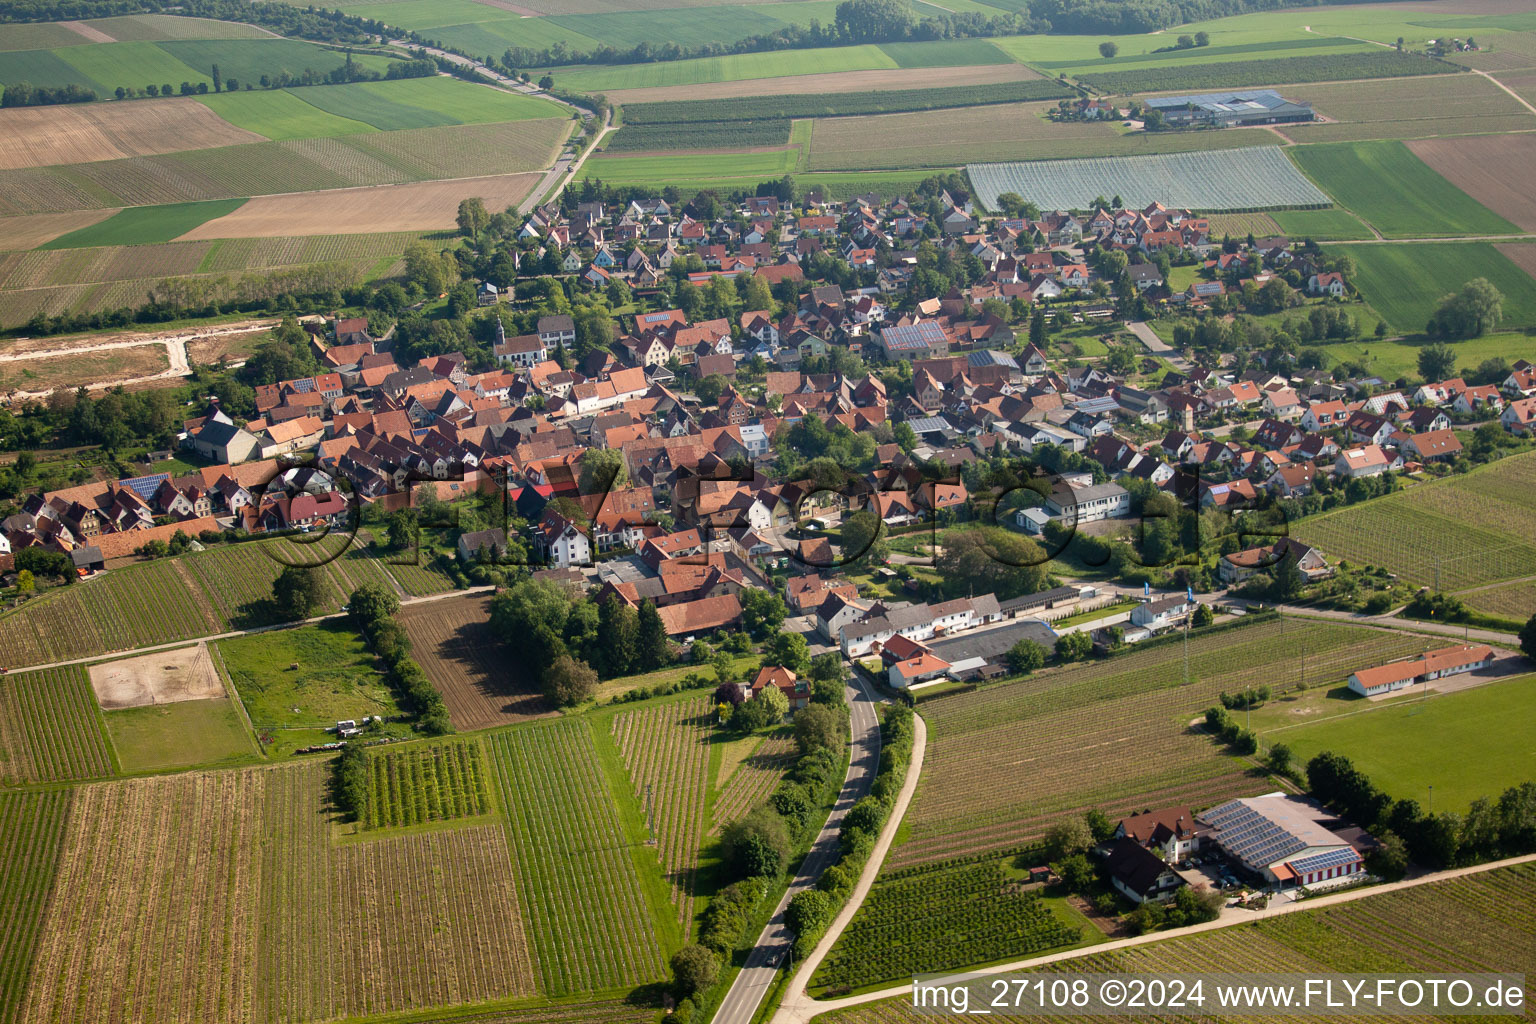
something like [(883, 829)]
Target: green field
[(186, 734), (422, 783), (1330, 225), (50, 728), (1406, 282), (685, 170), (281, 114), (161, 27), (141, 225), (426, 102), (1390, 360), (31, 833), (306, 677), (1462, 531), (845, 104), (945, 53), (43, 67), (733, 68), (1396, 192), (1467, 744), (132, 64)]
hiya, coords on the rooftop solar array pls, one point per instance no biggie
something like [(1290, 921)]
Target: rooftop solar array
[(1251, 836), (145, 486), (1325, 860)]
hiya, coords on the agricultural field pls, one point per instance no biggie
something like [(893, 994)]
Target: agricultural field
[(26, 232), (239, 577), (1420, 203), (577, 866), (830, 84), (426, 103), (847, 104), (1408, 108), (31, 827), (1012, 132), (424, 783), (305, 678), (147, 866), (1393, 359), (731, 68), (452, 641), (1467, 744), (130, 607), (1114, 735), (935, 917), (1238, 179), (1237, 74), (1405, 283), (1487, 168), (688, 169), (698, 135), (750, 775), (146, 224), (50, 728), (80, 132), (187, 734), (277, 115), (943, 53), (1478, 922), (665, 749), (1332, 224), (1514, 601), (1463, 531)]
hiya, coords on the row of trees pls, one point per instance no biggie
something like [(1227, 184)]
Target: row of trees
[(372, 609)]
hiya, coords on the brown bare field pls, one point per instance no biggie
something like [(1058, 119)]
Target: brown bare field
[(1522, 82), (1521, 255), (1493, 169), (83, 369), (452, 640), (421, 206), (89, 132), (1400, 99), (29, 232), (841, 81), (90, 32), (164, 677), (208, 351), (153, 909)]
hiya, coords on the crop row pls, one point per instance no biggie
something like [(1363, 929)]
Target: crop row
[(970, 914), (753, 780), (420, 784), (759, 108), (31, 825), (239, 577), (1221, 75), (700, 135), (666, 752), (50, 728), (579, 883)]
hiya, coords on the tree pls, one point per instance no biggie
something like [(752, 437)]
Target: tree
[(863, 21), (297, 592), (991, 560), (762, 612), (653, 648), (1108, 50), (1037, 329), (808, 913), (371, 603), (1390, 858), (1076, 872), (602, 471), (473, 217), (218, 79), (1528, 637), (569, 681), (1279, 759), (818, 726), (1203, 616), (1437, 361), (1066, 838), (1202, 39), (546, 83), (694, 968), (1469, 313), (767, 707), (400, 529), (710, 388), (757, 844), (789, 650), (25, 581), (618, 633), (863, 539), (1073, 646), (1025, 656)]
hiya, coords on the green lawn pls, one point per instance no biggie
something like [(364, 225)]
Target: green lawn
[(1330, 225), (192, 733), (1468, 744), (1406, 282), (733, 68), (307, 677), (1390, 188), (281, 114), (142, 225)]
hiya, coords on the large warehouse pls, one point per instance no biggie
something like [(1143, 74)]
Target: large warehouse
[(1225, 109), (1282, 839)]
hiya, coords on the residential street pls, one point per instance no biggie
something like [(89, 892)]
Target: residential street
[(763, 962)]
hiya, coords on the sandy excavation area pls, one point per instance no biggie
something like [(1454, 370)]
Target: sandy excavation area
[(419, 206), (84, 132), (164, 677)]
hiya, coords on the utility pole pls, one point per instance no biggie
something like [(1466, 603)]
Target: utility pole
[(1431, 798)]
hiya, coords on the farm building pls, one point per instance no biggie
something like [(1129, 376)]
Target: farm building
[(1285, 840), (1222, 110), (1172, 833), (1162, 612), (1446, 661), (1240, 565), (1139, 873)]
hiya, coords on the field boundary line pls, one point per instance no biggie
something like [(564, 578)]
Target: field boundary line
[(803, 1013)]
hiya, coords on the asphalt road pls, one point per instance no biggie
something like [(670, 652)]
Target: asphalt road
[(763, 963)]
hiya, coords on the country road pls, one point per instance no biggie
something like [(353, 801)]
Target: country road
[(763, 963)]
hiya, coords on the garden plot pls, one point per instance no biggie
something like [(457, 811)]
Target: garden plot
[(1235, 179), (165, 677)]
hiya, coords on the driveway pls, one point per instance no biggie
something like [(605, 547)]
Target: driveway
[(773, 944)]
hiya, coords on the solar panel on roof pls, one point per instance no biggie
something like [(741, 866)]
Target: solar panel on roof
[(145, 486), (1325, 860)]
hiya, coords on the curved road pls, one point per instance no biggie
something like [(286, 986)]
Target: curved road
[(762, 965)]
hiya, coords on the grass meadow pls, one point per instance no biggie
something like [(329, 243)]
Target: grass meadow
[(146, 224), (1406, 282)]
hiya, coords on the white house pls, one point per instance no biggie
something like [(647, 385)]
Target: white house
[(1161, 612), (1090, 504), (561, 541)]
